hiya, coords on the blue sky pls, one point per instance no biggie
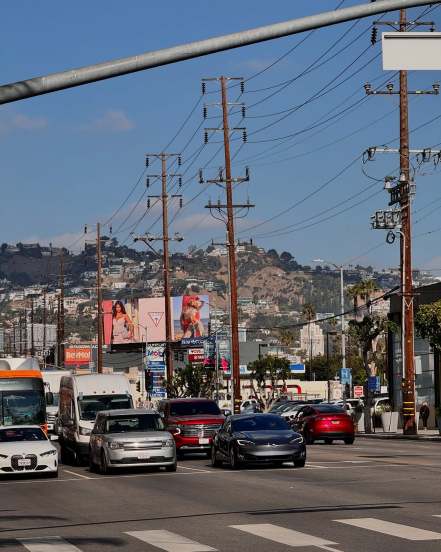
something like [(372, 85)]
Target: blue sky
[(71, 158)]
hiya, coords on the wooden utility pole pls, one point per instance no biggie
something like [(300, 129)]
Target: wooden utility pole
[(99, 306), (44, 327), (32, 329), (230, 210), (60, 316)]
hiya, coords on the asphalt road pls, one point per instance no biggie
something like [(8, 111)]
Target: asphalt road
[(371, 497)]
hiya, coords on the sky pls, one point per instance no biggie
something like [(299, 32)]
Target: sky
[(75, 157)]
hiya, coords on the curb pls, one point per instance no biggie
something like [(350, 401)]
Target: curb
[(398, 436)]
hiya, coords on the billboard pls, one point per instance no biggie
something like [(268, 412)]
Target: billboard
[(143, 319), (190, 314), (76, 356)]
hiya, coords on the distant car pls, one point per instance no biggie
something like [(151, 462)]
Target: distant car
[(290, 412), (192, 422), (130, 438), (256, 438), (26, 449), (248, 404), (326, 422)]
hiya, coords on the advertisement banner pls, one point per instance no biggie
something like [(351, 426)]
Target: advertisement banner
[(196, 355), (155, 365), (75, 356), (155, 355), (190, 315)]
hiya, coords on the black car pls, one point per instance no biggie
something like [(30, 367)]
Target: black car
[(255, 438)]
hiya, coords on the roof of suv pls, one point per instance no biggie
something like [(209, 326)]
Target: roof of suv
[(127, 412), (199, 399)]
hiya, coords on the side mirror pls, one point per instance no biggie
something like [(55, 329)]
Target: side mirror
[(49, 398)]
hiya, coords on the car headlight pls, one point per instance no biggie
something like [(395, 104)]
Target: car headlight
[(168, 443), (115, 445), (298, 439), (49, 453), (245, 443), (3, 456), (85, 431)]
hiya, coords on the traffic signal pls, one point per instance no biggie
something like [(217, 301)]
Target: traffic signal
[(138, 386), (347, 391), (148, 381)]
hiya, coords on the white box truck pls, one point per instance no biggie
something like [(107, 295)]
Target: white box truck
[(52, 380), (81, 397)]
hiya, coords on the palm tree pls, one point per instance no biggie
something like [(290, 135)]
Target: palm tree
[(363, 289), (308, 312)]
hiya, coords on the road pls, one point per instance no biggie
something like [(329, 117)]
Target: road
[(372, 496)]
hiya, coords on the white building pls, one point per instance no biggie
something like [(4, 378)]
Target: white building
[(312, 340)]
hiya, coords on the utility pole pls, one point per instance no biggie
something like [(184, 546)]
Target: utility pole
[(165, 238), (32, 329), (60, 315), (228, 217), (402, 194), (44, 327), (99, 300)]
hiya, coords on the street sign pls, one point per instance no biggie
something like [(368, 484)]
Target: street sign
[(358, 391), (345, 376), (374, 384), (411, 51), (297, 368)]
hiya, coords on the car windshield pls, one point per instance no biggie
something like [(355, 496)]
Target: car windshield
[(260, 422), (194, 408), (89, 405), (126, 424), (328, 408), (14, 434)]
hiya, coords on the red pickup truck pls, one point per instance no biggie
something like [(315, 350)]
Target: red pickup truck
[(192, 422)]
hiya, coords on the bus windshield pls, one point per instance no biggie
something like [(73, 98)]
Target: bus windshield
[(22, 401), (89, 405)]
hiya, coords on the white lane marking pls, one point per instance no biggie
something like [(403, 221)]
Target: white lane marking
[(393, 529), (171, 542), (288, 537), (48, 544), (78, 474), (194, 469)]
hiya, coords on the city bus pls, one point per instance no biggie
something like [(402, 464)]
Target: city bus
[(22, 398)]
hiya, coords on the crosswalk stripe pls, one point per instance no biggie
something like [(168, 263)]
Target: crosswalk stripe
[(285, 536), (171, 542), (393, 529), (48, 544)]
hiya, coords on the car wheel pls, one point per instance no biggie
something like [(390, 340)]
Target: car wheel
[(215, 462), (349, 440), (104, 468), (299, 463), (92, 465), (234, 461), (64, 455), (172, 467)]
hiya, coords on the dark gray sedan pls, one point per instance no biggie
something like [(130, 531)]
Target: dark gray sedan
[(257, 438), (130, 438)]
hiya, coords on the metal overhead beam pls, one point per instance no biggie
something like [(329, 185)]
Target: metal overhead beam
[(92, 73)]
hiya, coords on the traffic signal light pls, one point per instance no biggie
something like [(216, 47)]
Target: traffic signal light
[(138, 386), (148, 381)]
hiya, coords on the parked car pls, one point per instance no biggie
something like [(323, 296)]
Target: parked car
[(249, 438), (291, 412), (130, 438), (192, 422), (326, 422), (248, 404), (26, 449)]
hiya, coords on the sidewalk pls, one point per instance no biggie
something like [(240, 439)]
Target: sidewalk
[(428, 435)]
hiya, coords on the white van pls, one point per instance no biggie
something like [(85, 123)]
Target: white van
[(81, 397), (52, 380)]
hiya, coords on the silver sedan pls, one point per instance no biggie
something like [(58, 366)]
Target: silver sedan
[(130, 438)]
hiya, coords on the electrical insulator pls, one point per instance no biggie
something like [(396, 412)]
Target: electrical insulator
[(180, 182), (204, 86), (110, 229), (85, 229), (247, 173), (244, 136), (147, 183), (180, 202), (243, 112), (147, 162), (206, 137), (201, 177), (148, 203), (374, 33), (204, 112), (179, 160), (242, 87)]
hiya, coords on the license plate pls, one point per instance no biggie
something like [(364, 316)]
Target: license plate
[(23, 462), (204, 441), (143, 456), (335, 422)]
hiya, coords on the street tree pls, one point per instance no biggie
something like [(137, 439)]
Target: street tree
[(366, 333), (191, 381), (266, 375), (428, 323)]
